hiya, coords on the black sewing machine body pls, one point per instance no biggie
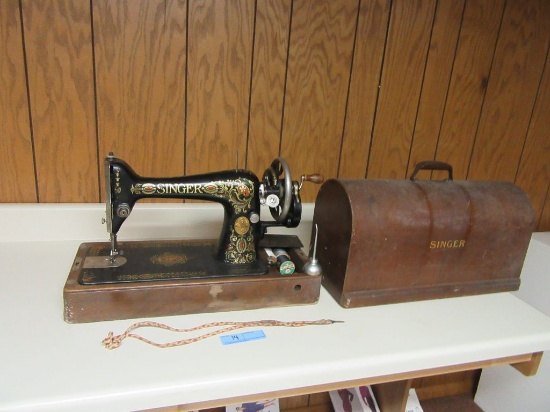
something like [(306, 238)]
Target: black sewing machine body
[(132, 279), (236, 252), (236, 190)]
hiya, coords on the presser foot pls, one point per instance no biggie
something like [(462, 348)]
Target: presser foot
[(103, 262)]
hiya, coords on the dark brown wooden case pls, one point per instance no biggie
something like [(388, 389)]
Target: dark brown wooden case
[(387, 241)]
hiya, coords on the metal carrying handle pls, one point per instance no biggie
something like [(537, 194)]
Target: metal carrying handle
[(432, 165)]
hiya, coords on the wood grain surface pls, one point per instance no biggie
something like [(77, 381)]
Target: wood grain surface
[(271, 34), (517, 69), (347, 88), (534, 171), (372, 28), (321, 47), (140, 51), (218, 83), (58, 46), (17, 180), (404, 65), (439, 66), (471, 70)]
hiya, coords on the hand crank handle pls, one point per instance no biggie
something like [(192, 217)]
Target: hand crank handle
[(314, 178)]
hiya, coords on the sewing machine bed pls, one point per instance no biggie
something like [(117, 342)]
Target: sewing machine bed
[(157, 285), (149, 261)]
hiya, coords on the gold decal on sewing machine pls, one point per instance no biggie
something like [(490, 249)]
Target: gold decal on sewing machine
[(240, 248), (118, 189), (169, 259), (159, 276), (167, 188), (242, 225), (240, 191)]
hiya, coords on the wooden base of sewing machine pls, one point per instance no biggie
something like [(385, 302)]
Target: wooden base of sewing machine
[(172, 296)]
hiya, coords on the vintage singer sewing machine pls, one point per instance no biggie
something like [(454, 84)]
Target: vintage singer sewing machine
[(121, 280)]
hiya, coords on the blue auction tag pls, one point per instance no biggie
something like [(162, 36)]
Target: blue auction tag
[(242, 337)]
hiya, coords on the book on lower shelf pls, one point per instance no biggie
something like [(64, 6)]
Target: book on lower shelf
[(268, 405), (362, 399), (359, 399)]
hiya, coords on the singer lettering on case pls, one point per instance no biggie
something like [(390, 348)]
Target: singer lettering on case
[(447, 244)]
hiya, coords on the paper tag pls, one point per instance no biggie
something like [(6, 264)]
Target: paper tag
[(242, 337)]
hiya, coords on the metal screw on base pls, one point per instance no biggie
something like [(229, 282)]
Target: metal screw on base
[(312, 267)]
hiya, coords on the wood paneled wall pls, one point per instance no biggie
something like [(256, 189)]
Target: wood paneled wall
[(348, 88)]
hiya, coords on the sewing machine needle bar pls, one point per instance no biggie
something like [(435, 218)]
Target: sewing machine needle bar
[(114, 251)]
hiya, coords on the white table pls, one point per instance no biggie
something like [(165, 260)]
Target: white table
[(502, 389), (48, 364)]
